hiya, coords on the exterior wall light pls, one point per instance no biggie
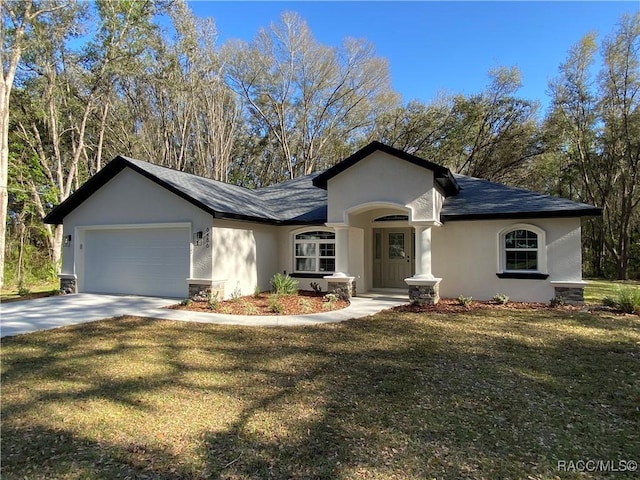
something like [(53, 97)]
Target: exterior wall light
[(197, 238), (67, 240)]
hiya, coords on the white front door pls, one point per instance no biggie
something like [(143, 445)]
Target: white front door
[(395, 257)]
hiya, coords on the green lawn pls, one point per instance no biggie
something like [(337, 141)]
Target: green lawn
[(596, 290), (490, 394), (44, 289)]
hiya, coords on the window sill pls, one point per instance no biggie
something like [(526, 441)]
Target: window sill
[(523, 275), (309, 275)]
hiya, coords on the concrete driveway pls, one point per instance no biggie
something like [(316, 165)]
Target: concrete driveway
[(51, 312)]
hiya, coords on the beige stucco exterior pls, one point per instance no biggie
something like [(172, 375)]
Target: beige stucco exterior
[(466, 256), (463, 256), (382, 180), (244, 255)]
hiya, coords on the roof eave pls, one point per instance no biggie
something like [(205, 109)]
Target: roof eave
[(581, 213)]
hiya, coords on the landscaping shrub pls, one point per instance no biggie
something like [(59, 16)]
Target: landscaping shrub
[(274, 304), (501, 298), (213, 300), (464, 301), (558, 301), (283, 284), (317, 289), (628, 299), (23, 291), (237, 292)]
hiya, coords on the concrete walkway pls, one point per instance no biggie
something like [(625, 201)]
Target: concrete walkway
[(52, 312), (361, 306)]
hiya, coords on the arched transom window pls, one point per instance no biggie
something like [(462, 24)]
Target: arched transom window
[(315, 252)]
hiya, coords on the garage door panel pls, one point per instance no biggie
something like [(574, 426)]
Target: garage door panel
[(137, 261)]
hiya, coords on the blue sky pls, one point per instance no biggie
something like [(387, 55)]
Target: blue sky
[(437, 47)]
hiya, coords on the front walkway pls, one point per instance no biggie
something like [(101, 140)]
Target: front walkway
[(52, 312), (361, 306)]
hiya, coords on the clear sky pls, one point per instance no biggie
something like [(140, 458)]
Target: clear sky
[(437, 47)]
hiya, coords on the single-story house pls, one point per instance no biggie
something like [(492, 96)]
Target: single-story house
[(380, 219)]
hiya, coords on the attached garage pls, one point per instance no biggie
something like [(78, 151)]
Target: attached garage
[(136, 260)]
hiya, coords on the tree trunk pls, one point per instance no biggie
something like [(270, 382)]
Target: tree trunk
[(5, 91)]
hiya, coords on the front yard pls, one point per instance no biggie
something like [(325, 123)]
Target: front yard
[(483, 394)]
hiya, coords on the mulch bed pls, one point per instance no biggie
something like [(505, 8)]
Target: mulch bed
[(451, 305), (303, 303)]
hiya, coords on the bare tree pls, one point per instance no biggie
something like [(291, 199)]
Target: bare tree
[(307, 95)]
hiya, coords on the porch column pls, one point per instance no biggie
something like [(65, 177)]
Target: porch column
[(340, 282), (423, 251), (342, 251), (424, 288)]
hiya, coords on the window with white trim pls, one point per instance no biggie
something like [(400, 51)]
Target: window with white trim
[(522, 250), (315, 252)]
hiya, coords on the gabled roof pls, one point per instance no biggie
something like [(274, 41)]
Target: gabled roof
[(443, 175), (221, 200), (304, 200), (482, 200)]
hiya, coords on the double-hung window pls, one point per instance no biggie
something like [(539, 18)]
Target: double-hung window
[(522, 252), (315, 252)]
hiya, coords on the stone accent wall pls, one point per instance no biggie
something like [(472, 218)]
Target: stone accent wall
[(200, 292), (424, 294), (572, 295), (68, 285), (342, 289)]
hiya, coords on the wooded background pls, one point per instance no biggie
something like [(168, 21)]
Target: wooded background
[(82, 83)]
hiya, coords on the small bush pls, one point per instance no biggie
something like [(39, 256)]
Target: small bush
[(186, 302), (464, 301), (610, 302), (23, 291), (317, 289), (330, 298), (305, 305), (283, 284), (629, 299), (250, 309), (558, 301), (257, 292), (500, 299), (237, 293), (274, 304), (213, 300)]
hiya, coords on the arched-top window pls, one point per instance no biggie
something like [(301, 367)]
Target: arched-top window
[(314, 252), (523, 250)]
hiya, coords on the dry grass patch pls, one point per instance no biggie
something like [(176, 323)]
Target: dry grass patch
[(482, 394)]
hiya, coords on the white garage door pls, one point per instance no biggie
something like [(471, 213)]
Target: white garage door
[(137, 261)]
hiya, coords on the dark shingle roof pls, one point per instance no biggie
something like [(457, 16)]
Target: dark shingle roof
[(220, 199), (297, 200), (304, 199), (480, 199)]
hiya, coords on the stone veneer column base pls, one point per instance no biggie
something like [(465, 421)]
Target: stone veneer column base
[(68, 283), (423, 291), (200, 289), (571, 292), (341, 286)]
